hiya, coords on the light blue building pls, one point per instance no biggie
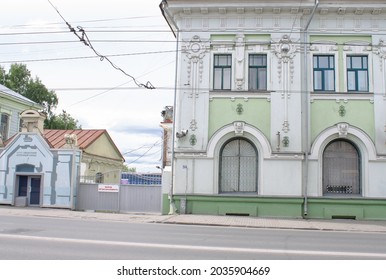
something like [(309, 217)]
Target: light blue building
[(32, 173)]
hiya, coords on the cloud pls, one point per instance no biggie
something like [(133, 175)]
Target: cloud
[(137, 130)]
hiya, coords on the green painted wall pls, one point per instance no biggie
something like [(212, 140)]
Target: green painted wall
[(256, 112), (360, 209), (252, 206), (248, 37), (257, 37), (359, 113), (165, 204), (317, 208)]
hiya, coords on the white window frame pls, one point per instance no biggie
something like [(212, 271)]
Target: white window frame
[(358, 49), (218, 48), (248, 55), (325, 49), (5, 137), (222, 77), (323, 70)]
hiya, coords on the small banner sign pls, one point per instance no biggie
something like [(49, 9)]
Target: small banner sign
[(108, 188)]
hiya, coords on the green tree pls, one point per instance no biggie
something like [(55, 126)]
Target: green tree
[(128, 169), (20, 80), (62, 121)]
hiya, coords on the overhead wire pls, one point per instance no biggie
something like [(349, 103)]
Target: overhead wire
[(85, 57), (83, 37), (146, 152), (110, 89)]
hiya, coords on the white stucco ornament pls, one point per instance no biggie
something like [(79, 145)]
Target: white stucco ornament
[(285, 50), (239, 128), (195, 51), (380, 50), (343, 129), (240, 58)]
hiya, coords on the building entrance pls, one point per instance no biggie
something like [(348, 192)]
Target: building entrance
[(30, 188)]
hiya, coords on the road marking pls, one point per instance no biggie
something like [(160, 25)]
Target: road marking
[(198, 248)]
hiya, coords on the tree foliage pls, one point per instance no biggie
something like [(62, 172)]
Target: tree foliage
[(62, 121), (20, 80)]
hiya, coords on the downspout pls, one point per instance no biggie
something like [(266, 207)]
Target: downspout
[(306, 139), (172, 206)]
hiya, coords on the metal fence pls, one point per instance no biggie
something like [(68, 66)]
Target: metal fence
[(134, 178), (128, 198)]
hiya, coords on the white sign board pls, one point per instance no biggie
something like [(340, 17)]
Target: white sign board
[(108, 188)]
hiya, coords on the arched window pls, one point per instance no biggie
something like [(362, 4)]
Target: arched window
[(341, 169), (238, 166)]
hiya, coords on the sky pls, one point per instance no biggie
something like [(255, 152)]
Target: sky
[(100, 93)]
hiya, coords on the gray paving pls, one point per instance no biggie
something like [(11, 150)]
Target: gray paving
[(235, 221)]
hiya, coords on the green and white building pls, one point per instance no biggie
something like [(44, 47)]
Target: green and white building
[(280, 108)]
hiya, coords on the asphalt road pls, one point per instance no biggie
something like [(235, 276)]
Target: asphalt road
[(46, 238)]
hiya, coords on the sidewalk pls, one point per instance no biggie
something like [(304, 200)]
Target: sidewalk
[(233, 221)]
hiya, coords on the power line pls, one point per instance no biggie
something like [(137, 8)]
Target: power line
[(146, 152), (84, 57), (84, 39), (108, 90), (89, 31), (174, 41), (86, 21)]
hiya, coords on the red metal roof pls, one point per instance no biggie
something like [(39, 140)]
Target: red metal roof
[(85, 137)]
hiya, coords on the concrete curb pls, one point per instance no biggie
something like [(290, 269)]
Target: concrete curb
[(204, 220)]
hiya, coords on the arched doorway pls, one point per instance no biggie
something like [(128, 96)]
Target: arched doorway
[(341, 169), (238, 166)]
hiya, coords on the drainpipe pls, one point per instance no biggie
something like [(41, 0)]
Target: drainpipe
[(306, 135), (165, 13)]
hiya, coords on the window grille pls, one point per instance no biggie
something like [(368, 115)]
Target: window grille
[(341, 169), (238, 167)]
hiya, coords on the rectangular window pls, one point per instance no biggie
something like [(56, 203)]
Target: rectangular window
[(257, 79), (222, 71), (357, 73), (4, 126), (324, 73)]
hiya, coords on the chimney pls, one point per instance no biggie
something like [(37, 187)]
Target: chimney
[(32, 121)]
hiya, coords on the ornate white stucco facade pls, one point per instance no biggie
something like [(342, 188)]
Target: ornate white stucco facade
[(289, 132)]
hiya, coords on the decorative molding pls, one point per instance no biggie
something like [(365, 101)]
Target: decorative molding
[(239, 128), (359, 11), (342, 111), (286, 126), (239, 109), (193, 140), (240, 61), (195, 51), (341, 11), (285, 50), (380, 50), (285, 141), (193, 125), (343, 129), (240, 10), (376, 11)]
